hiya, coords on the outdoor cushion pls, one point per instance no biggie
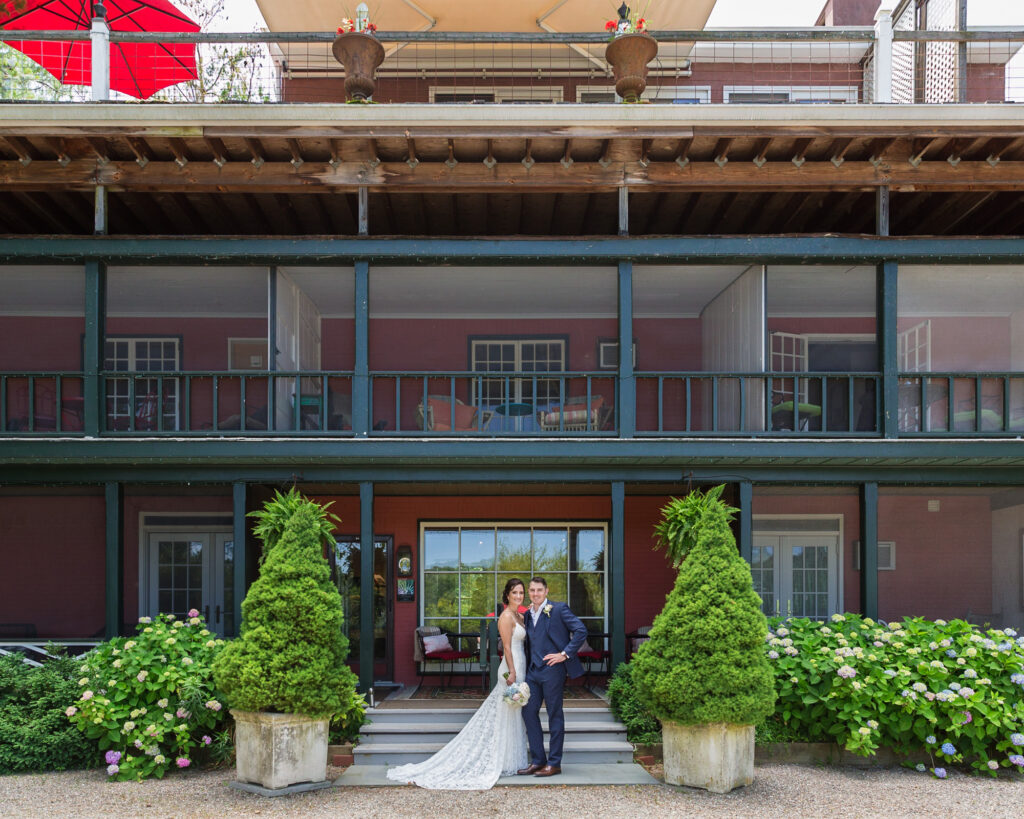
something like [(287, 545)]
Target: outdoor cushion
[(465, 415), (436, 642), (573, 413)]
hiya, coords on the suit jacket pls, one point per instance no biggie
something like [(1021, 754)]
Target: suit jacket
[(559, 630)]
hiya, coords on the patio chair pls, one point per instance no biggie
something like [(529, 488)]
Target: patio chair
[(575, 415), (441, 413), (433, 645), (589, 656)]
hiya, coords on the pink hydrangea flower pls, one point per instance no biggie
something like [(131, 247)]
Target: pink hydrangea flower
[(193, 612), (183, 762), (112, 757), (206, 740)]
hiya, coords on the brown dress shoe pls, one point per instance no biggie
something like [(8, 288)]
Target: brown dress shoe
[(533, 767), (549, 770)]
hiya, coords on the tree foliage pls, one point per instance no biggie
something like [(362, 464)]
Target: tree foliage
[(705, 660), (681, 519), (290, 655)]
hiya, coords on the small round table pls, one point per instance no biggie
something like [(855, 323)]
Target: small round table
[(515, 410)]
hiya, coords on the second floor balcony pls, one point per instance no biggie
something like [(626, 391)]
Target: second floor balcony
[(759, 350)]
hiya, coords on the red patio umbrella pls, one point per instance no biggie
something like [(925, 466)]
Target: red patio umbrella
[(136, 69)]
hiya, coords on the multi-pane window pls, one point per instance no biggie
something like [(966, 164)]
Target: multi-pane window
[(153, 397), (465, 568), (180, 575), (522, 356)]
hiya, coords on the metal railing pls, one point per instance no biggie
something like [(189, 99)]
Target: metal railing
[(513, 404), (493, 403), (758, 403), (818, 64), (960, 404), (41, 402), (227, 403)]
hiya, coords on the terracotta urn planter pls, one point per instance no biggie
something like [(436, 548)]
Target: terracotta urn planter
[(628, 56), (360, 54)]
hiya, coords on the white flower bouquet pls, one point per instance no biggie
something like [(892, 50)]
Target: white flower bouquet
[(517, 694)]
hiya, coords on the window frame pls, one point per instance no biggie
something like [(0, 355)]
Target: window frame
[(460, 525)]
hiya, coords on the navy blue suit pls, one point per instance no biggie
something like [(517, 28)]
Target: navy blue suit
[(557, 630)]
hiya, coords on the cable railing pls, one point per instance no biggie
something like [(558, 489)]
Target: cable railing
[(756, 66)]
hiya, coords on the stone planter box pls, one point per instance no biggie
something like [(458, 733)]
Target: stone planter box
[(280, 752), (717, 756)]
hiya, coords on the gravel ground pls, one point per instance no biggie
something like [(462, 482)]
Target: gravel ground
[(778, 790)]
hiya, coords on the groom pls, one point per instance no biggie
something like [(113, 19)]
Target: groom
[(553, 637)]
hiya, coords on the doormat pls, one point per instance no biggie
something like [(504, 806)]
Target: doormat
[(431, 692)]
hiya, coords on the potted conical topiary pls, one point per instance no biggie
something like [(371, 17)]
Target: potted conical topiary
[(285, 676), (703, 672)]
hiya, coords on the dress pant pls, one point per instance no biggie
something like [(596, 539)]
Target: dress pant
[(546, 685)]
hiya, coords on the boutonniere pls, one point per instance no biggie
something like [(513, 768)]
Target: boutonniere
[(547, 609)]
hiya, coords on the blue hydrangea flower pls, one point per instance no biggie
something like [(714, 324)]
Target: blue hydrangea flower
[(1017, 679), (1017, 739), (930, 739), (950, 652), (920, 767), (940, 773), (948, 749)]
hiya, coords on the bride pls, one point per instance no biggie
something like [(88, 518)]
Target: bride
[(493, 742)]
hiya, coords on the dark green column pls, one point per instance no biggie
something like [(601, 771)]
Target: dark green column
[(365, 585), (361, 374), (627, 381), (617, 574), (746, 521), (92, 345), (114, 573), (888, 350), (238, 537), (869, 549)]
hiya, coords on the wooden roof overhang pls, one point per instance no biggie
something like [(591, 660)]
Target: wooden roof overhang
[(510, 170)]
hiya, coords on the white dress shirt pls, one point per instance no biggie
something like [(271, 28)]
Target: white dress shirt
[(536, 611)]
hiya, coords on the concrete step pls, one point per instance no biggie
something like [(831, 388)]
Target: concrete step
[(375, 776), (444, 732), (412, 716), (574, 752)]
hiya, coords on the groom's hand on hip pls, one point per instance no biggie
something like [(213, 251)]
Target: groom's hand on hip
[(555, 659)]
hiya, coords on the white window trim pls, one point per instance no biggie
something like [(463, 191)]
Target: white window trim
[(511, 524), (504, 93), (797, 93), (654, 93), (232, 341), (840, 593), (516, 382)]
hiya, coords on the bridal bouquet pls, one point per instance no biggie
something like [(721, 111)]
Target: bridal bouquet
[(517, 694)]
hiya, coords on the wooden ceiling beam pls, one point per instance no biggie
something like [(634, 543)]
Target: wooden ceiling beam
[(143, 153), (256, 151), (219, 151), (182, 155), (100, 148), (22, 148)]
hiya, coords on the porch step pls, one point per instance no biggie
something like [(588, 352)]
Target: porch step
[(574, 752), (397, 736)]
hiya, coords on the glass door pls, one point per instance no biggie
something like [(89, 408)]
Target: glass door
[(346, 571), (192, 570), (797, 575)]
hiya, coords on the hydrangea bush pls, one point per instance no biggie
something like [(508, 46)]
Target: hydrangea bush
[(950, 689), (149, 701)]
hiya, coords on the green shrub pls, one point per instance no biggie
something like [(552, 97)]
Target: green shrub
[(290, 655), (34, 730), (345, 727), (641, 725), (705, 661), (149, 701), (948, 688)]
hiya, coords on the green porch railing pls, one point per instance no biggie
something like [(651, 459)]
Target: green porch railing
[(510, 404), (42, 403), (227, 403), (758, 403), (957, 404), (494, 403)]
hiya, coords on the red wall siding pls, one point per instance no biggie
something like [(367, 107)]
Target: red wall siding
[(943, 559), (52, 553)]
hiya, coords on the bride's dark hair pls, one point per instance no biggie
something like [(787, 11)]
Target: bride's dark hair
[(512, 583)]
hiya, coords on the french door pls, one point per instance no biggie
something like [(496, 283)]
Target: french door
[(797, 575), (347, 573), (192, 570)]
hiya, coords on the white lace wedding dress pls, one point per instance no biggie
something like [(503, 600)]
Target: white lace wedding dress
[(491, 744)]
